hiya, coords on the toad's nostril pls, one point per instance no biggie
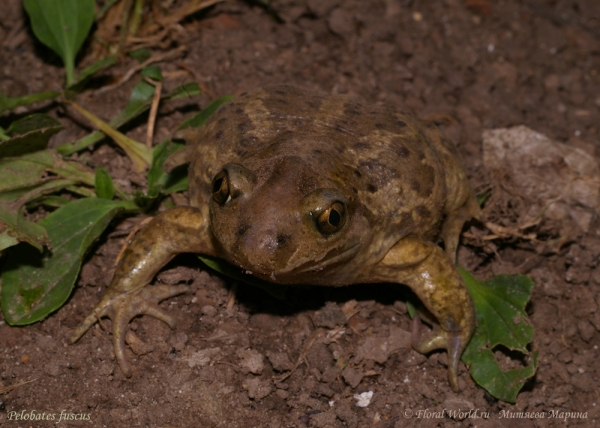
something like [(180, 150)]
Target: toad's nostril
[(282, 239), (242, 230)]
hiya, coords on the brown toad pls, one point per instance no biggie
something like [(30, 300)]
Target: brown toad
[(298, 187)]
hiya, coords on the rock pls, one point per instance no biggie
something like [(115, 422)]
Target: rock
[(252, 361), (555, 182), (257, 388), (352, 376), (379, 349), (202, 357)]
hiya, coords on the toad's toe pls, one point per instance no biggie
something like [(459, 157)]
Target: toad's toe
[(453, 341), (122, 308)]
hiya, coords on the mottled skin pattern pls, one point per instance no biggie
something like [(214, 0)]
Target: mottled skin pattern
[(298, 187)]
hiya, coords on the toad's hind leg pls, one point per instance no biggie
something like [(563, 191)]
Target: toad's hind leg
[(428, 271), (179, 230)]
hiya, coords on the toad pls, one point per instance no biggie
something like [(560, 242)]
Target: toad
[(298, 187)]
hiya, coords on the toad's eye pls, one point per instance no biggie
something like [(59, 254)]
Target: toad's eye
[(332, 218), (220, 188)]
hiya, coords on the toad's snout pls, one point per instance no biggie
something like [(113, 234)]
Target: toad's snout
[(264, 250)]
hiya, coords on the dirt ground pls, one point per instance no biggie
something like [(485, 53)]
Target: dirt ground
[(483, 64)]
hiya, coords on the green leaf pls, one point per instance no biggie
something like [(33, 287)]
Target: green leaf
[(34, 284), (187, 90), (62, 25), (140, 155), (8, 103), (160, 181), (20, 175), (200, 118), (105, 188), (29, 134), (501, 321), (88, 72), (139, 101), (14, 229), (412, 308), (51, 201), (24, 177), (153, 72), (482, 198), (140, 55)]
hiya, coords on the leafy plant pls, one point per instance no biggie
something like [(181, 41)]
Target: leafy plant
[(35, 284), (44, 257), (63, 26), (501, 321)]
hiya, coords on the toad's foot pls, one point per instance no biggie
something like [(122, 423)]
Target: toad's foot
[(122, 308), (428, 271), (453, 341)]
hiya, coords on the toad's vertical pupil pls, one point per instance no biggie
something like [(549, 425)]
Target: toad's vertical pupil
[(217, 184), (334, 218)]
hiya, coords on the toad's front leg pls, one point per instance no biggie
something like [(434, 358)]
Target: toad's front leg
[(428, 271), (178, 230)]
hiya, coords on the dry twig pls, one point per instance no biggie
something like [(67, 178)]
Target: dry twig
[(153, 110), (9, 388)]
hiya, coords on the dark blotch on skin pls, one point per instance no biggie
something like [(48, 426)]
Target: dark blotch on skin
[(222, 120), (426, 179), (423, 211), (406, 222), (219, 135), (403, 152), (244, 126), (391, 125), (239, 110), (371, 188), (357, 173), (415, 185)]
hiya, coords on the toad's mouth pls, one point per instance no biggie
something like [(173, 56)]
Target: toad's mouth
[(332, 257)]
